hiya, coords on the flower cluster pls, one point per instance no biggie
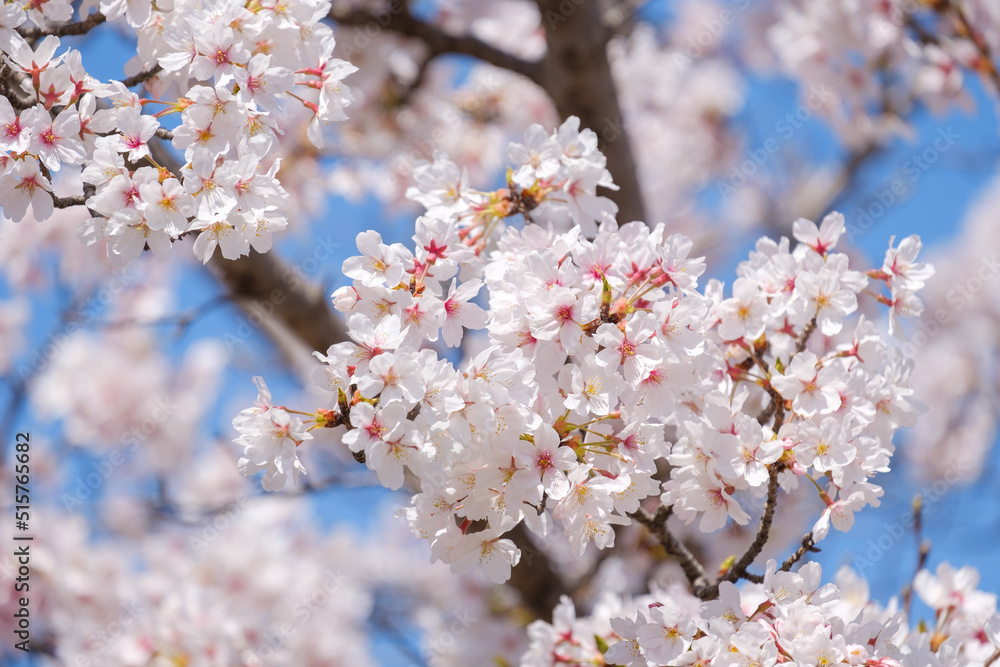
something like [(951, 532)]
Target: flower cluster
[(231, 70), (601, 351), (269, 436), (553, 180), (791, 618)]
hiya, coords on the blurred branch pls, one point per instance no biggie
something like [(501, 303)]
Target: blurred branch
[(265, 283), (181, 320), (403, 91), (10, 88), (385, 623), (575, 72), (62, 30), (577, 76), (923, 550), (986, 66), (397, 19)]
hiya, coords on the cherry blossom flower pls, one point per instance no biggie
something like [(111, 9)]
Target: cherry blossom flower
[(134, 131), (25, 185), (811, 389), (270, 437), (460, 313), (54, 141), (14, 136)]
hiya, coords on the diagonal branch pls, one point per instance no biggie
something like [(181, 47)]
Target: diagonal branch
[(739, 570), (141, 77), (803, 339), (266, 284), (808, 545), (693, 570), (397, 19), (985, 66)]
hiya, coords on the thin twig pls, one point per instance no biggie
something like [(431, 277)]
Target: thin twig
[(963, 27), (923, 549), (803, 339), (141, 77), (808, 545), (693, 570), (181, 319)]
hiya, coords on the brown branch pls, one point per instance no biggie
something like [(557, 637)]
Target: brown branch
[(141, 77), (693, 570), (77, 28), (575, 72), (403, 91), (803, 339), (10, 89), (775, 408), (266, 284), (577, 76), (67, 202), (397, 19), (739, 570), (808, 545)]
